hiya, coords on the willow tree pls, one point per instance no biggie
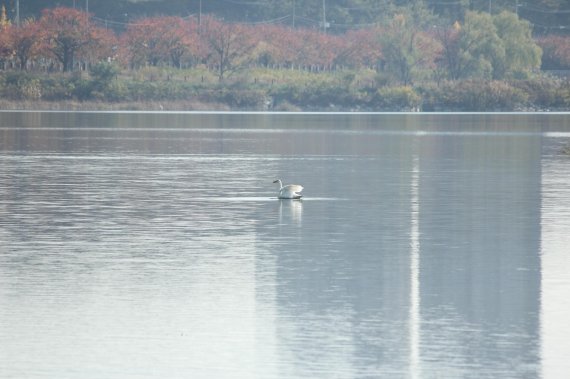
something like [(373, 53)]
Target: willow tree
[(522, 54), (495, 47)]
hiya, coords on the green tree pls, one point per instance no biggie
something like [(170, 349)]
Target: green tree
[(480, 48), (522, 54), (491, 47), (102, 75), (406, 49)]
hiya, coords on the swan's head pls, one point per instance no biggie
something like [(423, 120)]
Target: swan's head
[(277, 181)]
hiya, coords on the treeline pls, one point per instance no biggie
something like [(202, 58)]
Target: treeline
[(413, 45), (340, 15), (412, 52)]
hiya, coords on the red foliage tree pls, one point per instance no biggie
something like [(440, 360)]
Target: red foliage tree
[(26, 42), (230, 46), (69, 34), (134, 45), (159, 39), (271, 40), (181, 39), (293, 47), (555, 52), (363, 48), (103, 46), (450, 58)]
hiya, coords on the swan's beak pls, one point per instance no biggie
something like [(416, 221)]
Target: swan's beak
[(275, 181)]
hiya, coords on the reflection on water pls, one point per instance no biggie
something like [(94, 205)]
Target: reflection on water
[(291, 212), (154, 246), (555, 261)]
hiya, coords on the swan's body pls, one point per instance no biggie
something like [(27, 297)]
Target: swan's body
[(290, 191)]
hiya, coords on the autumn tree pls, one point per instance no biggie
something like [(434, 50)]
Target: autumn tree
[(308, 48), (26, 42), (272, 45), (300, 47), (450, 61), (363, 48), (556, 52), (406, 50), (137, 46), (230, 45), (158, 40), (103, 46), (69, 34), (180, 38)]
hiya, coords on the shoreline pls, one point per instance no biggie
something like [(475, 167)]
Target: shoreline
[(195, 107)]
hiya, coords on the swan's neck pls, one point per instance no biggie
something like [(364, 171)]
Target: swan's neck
[(280, 184)]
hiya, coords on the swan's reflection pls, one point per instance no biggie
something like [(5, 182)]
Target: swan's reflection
[(291, 211)]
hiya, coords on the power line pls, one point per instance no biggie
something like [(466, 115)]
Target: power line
[(277, 20), (256, 3), (546, 11), (444, 3)]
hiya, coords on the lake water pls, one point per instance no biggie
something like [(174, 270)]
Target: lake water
[(152, 245)]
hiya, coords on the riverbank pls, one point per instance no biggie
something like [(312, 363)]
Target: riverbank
[(74, 105), (275, 90), (182, 106)]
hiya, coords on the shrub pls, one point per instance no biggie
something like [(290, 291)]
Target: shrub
[(399, 98), (21, 86), (102, 75), (473, 95), (318, 94), (236, 97), (56, 87), (542, 92)]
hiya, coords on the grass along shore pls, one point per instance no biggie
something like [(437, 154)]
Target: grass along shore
[(155, 89)]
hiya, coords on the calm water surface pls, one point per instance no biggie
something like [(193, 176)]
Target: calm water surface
[(152, 246)]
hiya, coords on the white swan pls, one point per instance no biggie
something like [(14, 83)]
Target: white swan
[(290, 191)]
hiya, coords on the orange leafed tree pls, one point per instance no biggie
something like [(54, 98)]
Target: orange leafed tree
[(103, 46), (301, 47), (267, 51), (363, 48), (26, 42), (230, 46), (69, 34), (180, 38), (159, 39), (556, 52), (136, 46)]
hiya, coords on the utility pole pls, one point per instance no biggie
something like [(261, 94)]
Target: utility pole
[(86, 6), (18, 13), (324, 17), (294, 6)]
